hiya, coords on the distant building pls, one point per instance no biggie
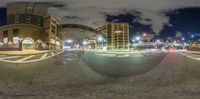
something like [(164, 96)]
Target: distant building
[(29, 26), (52, 28), (26, 12), (117, 35)]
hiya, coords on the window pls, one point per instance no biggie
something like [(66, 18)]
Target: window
[(28, 19), (29, 8), (5, 33), (15, 32), (16, 18), (5, 40), (15, 40), (15, 36)]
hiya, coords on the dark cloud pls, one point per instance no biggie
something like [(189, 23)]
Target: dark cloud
[(93, 12)]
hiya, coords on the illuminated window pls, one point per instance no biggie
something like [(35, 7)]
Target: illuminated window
[(5, 40), (15, 36), (29, 8), (15, 40)]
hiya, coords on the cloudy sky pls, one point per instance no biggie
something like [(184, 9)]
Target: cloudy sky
[(95, 13)]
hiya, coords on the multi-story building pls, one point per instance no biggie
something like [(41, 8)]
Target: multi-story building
[(117, 35), (26, 12), (26, 28), (54, 34)]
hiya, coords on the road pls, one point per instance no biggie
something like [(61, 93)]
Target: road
[(87, 74), (28, 58)]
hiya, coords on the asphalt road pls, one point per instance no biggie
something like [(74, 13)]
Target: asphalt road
[(78, 74)]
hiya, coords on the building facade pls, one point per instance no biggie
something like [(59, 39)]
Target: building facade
[(12, 35), (27, 28), (117, 35), (26, 12), (52, 28)]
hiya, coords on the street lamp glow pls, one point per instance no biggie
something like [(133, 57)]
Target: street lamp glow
[(100, 38), (137, 38), (133, 40), (69, 41), (144, 34), (192, 36), (183, 39), (84, 42)]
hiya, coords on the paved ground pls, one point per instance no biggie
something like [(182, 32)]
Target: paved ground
[(16, 58), (155, 75), (24, 52)]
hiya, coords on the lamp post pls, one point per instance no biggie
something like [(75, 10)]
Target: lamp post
[(20, 43), (84, 45), (99, 40)]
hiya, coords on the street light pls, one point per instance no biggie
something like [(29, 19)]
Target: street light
[(192, 36), (99, 38), (137, 38), (144, 34), (84, 42), (69, 41)]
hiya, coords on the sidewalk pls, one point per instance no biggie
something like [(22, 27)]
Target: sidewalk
[(26, 52)]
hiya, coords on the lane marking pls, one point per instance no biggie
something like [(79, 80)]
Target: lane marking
[(10, 57), (44, 55), (52, 53), (125, 55), (70, 59), (30, 61), (190, 56), (23, 59)]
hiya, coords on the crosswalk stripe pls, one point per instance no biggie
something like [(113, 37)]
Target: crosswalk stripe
[(52, 53), (190, 56), (10, 57), (23, 59), (44, 56)]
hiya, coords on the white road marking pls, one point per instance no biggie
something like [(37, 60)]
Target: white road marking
[(9, 57), (123, 55), (29, 61), (52, 53), (189, 56), (23, 59), (44, 56), (69, 59)]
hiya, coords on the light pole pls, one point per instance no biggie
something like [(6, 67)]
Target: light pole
[(99, 40), (84, 44), (20, 43)]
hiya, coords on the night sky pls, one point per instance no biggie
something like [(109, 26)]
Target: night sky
[(2, 16), (186, 21)]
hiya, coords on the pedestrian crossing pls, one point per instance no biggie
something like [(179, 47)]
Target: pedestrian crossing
[(28, 58), (191, 55)]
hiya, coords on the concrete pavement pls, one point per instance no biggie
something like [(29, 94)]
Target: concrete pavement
[(70, 75), (26, 52), (28, 57)]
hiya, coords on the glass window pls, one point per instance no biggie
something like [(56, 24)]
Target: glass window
[(5, 40), (5, 33), (29, 8), (15, 32), (15, 40)]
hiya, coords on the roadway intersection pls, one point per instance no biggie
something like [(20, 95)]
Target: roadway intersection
[(151, 75), (28, 58)]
